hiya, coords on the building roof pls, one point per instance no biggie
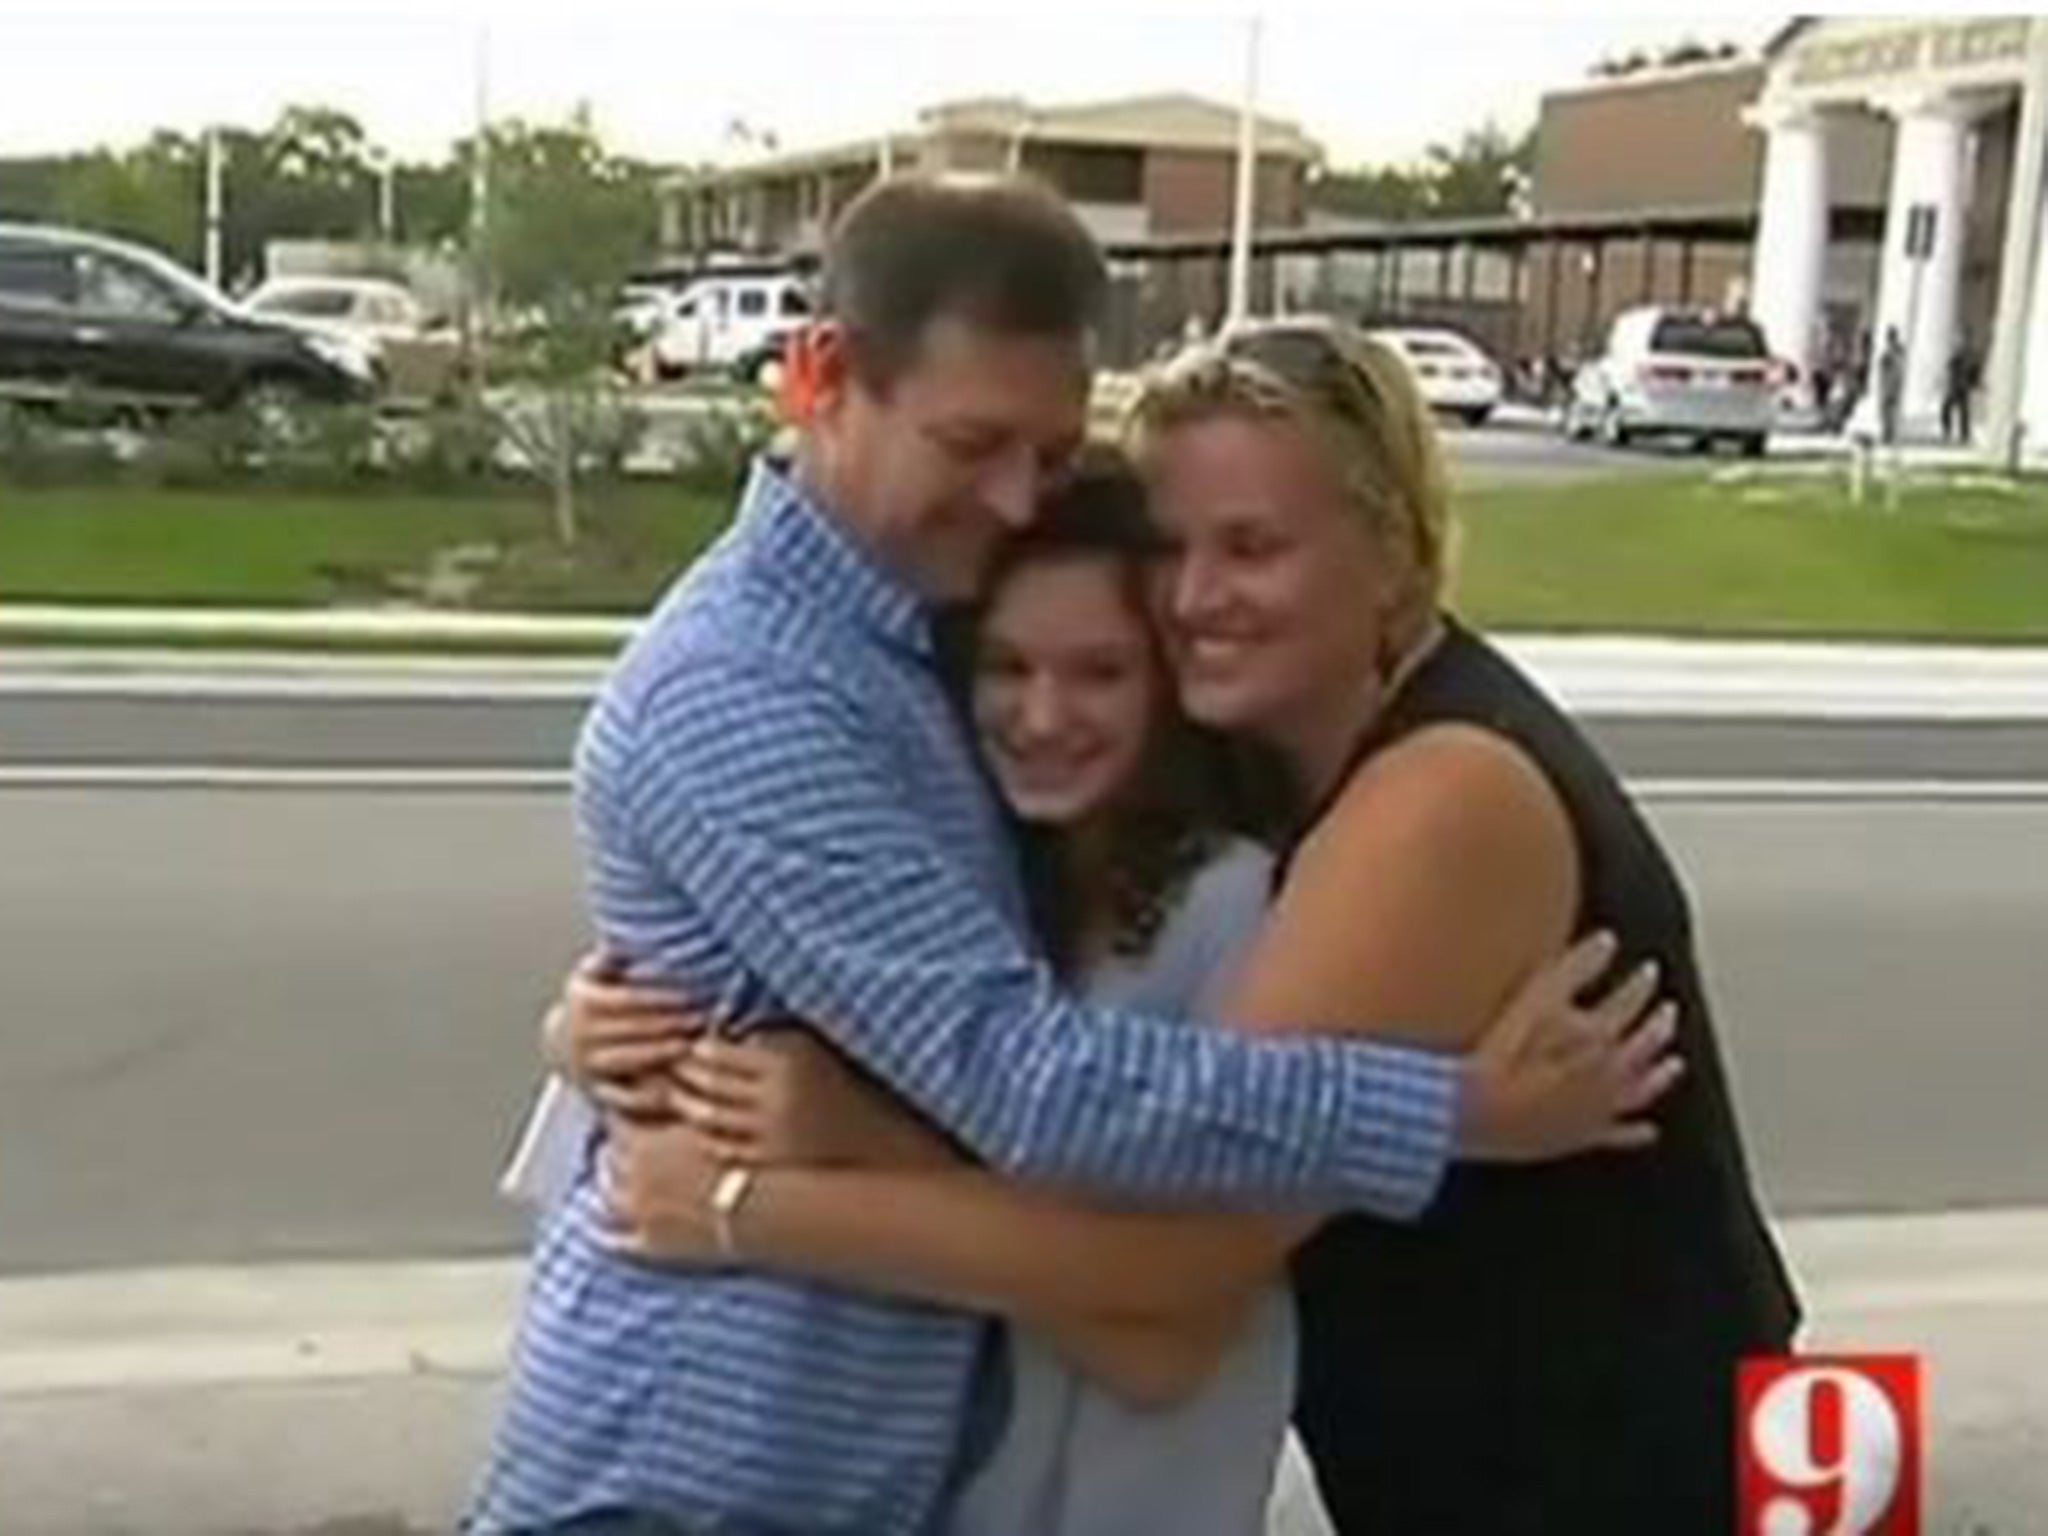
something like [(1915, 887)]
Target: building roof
[(1167, 120), (1654, 75), (1506, 230), (1731, 223), (1164, 120)]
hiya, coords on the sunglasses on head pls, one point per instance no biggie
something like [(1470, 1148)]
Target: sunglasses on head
[(1305, 356)]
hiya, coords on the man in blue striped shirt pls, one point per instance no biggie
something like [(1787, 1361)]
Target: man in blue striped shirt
[(779, 812)]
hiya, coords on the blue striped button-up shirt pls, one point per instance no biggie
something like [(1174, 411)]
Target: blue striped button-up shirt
[(778, 812)]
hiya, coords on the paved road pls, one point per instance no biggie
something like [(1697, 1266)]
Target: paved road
[(1523, 446), (1521, 443), (299, 1022)]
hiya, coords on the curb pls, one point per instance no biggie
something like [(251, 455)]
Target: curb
[(128, 1330)]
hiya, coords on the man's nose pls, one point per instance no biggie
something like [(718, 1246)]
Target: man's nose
[(1012, 489)]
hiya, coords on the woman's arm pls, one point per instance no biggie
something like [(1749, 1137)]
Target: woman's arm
[(1444, 873), (1150, 1364)]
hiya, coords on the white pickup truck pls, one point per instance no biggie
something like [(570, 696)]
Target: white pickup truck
[(727, 324)]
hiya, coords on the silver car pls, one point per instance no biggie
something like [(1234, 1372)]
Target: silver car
[(1678, 372)]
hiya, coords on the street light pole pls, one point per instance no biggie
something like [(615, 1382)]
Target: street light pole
[(479, 218), (1239, 309), (213, 207), (387, 198)]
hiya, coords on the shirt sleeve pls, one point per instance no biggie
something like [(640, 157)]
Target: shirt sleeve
[(776, 806)]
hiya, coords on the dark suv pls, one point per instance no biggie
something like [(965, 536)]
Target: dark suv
[(90, 321)]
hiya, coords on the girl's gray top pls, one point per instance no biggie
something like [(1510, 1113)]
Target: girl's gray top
[(1073, 1459)]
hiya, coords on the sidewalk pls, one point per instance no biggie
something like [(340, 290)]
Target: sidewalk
[(337, 1401), (1593, 674), (1795, 437)]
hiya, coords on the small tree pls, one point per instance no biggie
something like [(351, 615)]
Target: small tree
[(566, 220), (1481, 174), (149, 193)]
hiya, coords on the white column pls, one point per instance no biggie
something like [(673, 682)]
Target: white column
[(1928, 163), (2012, 403), (2033, 387), (1792, 232)]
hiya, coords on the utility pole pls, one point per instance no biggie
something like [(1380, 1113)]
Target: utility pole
[(1240, 304), (214, 200), (480, 219)]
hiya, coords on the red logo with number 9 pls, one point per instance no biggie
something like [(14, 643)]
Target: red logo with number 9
[(1829, 1445)]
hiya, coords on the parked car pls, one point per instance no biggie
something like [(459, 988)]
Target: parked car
[(416, 356), (1682, 372), (1455, 376), (92, 321), (732, 324)]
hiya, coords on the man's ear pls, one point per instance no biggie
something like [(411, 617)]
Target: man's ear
[(819, 373)]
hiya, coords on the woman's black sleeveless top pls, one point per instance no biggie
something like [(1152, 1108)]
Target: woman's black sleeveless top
[(1550, 1349)]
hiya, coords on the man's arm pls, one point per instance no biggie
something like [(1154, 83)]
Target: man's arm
[(794, 837), (1452, 867)]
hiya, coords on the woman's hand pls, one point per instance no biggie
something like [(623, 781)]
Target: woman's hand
[(783, 1095), (617, 1042), (658, 1179)]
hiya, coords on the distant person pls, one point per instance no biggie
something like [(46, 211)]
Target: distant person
[(1891, 385), (1855, 379), (1965, 371), (1559, 374), (1823, 377), (1835, 381)]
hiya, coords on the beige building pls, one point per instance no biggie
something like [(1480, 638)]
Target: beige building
[(1953, 101), (1136, 169), (1676, 145)]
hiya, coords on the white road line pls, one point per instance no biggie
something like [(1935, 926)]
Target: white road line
[(482, 687), (128, 1329), (311, 779), (315, 778), (1919, 791), (1588, 696)]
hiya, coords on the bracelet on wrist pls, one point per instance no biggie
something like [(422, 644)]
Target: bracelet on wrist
[(728, 1195)]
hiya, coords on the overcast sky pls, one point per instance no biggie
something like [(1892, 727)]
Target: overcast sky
[(1372, 81)]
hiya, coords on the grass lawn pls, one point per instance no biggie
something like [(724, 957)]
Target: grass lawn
[(1783, 554), (263, 549), (1684, 553)]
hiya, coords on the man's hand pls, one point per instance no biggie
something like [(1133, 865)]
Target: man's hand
[(1555, 1076), (782, 1095), (616, 1041), (657, 1180)]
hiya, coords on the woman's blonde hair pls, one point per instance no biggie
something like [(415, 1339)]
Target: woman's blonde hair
[(1355, 395)]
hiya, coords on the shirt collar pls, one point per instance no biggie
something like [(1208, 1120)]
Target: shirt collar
[(805, 543)]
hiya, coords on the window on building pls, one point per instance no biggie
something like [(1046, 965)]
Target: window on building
[(1090, 173)]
